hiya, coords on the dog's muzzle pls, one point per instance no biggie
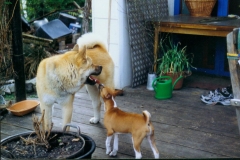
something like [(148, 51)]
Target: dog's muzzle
[(97, 71), (92, 81)]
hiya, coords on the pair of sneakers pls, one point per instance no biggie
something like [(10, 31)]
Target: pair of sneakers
[(218, 96)]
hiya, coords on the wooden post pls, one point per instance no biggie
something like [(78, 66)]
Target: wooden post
[(86, 14), (17, 48), (234, 69), (156, 43)]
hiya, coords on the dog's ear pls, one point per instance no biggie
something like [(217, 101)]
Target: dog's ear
[(75, 48), (118, 92), (108, 95), (82, 52)]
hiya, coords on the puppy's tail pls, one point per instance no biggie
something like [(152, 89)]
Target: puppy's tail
[(147, 116), (149, 126)]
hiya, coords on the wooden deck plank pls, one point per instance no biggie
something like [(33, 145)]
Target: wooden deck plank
[(99, 153), (184, 127), (12, 130), (185, 114), (175, 138), (184, 117), (185, 135)]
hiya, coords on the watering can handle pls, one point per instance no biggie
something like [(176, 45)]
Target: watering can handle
[(153, 83), (180, 77)]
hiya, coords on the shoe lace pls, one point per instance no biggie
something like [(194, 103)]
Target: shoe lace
[(218, 97)]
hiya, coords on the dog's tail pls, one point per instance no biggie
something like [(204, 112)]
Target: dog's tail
[(91, 40), (147, 116), (149, 126)]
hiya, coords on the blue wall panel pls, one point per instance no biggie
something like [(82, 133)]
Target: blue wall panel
[(177, 7), (222, 8)]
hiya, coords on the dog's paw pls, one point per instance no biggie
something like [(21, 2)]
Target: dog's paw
[(94, 120), (113, 153)]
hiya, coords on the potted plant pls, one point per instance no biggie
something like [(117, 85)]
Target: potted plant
[(48, 144), (174, 62)]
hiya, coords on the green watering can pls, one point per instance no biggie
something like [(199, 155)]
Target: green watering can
[(163, 86)]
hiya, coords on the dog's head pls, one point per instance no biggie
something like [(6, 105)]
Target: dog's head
[(107, 95), (85, 64), (105, 92)]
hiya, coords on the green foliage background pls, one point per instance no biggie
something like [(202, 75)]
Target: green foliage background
[(38, 8)]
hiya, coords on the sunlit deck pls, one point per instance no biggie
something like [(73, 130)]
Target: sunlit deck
[(184, 126)]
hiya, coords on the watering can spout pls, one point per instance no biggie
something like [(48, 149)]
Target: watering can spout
[(180, 77)]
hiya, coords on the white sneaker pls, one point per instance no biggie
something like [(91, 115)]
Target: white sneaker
[(217, 99), (225, 92)]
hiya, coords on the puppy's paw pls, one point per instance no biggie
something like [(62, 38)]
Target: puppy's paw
[(94, 120), (138, 155), (156, 155), (108, 150), (113, 153)]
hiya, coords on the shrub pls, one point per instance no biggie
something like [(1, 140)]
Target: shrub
[(38, 8)]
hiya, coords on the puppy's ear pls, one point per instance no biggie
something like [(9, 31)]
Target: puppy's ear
[(118, 92), (112, 92)]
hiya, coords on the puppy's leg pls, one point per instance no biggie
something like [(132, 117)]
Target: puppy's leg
[(108, 145), (67, 109), (152, 143), (115, 145), (137, 140), (110, 133), (96, 103)]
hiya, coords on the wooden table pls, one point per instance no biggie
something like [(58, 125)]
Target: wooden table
[(205, 26)]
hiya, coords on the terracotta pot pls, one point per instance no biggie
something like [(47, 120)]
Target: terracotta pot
[(174, 77)]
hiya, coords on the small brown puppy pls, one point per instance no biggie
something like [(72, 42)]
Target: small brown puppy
[(117, 121)]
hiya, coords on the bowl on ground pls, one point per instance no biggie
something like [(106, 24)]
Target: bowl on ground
[(23, 107)]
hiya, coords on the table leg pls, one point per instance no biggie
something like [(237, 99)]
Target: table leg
[(234, 71)]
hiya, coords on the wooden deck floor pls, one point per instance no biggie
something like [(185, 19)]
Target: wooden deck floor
[(184, 126)]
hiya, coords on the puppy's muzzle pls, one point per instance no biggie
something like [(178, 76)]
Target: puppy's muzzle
[(100, 86)]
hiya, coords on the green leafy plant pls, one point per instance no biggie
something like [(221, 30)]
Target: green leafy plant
[(174, 59)]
